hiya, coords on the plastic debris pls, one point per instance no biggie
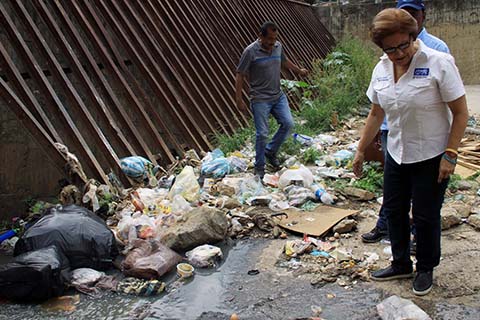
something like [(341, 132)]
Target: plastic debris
[(396, 308), (186, 185), (300, 177), (304, 140), (204, 256)]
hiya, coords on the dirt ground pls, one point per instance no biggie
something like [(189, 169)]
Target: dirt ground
[(456, 280)]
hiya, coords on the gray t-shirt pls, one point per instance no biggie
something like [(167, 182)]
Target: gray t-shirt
[(263, 69)]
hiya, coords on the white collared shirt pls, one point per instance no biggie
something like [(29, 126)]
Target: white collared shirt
[(416, 106)]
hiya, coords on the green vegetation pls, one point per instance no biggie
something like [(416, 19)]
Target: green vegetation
[(474, 176), (335, 91), (453, 183), (372, 179), (236, 141), (310, 155)]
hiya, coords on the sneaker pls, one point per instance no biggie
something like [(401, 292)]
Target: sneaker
[(260, 173), (374, 236), (423, 283), (390, 274), (273, 160)]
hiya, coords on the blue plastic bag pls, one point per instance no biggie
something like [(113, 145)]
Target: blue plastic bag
[(217, 168), (135, 166)]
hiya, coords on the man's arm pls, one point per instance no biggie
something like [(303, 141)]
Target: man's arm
[(292, 66), (238, 90)]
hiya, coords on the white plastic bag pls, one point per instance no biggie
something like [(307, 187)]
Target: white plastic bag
[(186, 185), (180, 205), (301, 176), (204, 256)]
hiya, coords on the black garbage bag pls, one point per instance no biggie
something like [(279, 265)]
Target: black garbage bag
[(83, 237), (35, 275)]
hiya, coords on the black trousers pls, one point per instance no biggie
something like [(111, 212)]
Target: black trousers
[(416, 185)]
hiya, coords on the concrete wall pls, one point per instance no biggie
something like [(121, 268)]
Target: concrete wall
[(26, 172), (455, 22)]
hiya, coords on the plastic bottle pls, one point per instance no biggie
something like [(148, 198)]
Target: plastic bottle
[(302, 139), (321, 194)]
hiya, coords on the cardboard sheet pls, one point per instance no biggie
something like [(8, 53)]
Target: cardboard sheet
[(463, 171), (314, 223)]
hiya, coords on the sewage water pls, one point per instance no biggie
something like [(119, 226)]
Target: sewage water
[(217, 293)]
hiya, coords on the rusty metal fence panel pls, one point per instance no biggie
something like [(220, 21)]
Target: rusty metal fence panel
[(112, 78)]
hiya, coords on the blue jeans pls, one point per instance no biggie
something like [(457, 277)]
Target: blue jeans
[(415, 185), (261, 112), (382, 220)]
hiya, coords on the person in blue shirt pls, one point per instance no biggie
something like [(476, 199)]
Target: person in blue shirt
[(416, 8)]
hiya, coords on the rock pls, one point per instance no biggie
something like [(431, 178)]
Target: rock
[(463, 210), (474, 221), (475, 209), (231, 203), (463, 185), (358, 194), (225, 190), (337, 235), (276, 232), (203, 225), (344, 226), (396, 308), (450, 218)]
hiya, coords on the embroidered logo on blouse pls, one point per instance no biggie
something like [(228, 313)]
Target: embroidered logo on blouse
[(421, 73)]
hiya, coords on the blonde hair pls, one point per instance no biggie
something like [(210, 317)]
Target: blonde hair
[(391, 21)]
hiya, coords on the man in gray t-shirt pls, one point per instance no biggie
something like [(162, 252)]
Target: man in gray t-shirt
[(261, 63)]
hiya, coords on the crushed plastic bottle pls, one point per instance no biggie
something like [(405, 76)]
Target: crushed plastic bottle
[(303, 139), (321, 194)]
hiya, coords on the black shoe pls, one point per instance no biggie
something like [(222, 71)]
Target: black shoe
[(273, 160), (260, 173), (374, 236), (390, 274), (423, 283)]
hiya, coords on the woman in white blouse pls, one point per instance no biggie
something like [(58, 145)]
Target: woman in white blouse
[(420, 92)]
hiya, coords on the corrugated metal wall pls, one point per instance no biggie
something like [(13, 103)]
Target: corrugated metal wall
[(112, 78)]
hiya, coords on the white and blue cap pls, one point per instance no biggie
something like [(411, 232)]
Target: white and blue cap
[(415, 4)]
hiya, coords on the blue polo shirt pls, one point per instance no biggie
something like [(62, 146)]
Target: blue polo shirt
[(263, 70), (431, 42)]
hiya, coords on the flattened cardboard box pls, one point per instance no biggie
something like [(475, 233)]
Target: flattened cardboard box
[(314, 223)]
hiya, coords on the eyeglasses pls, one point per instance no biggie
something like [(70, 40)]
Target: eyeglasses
[(402, 47)]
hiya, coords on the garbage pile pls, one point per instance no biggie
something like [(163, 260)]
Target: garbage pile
[(172, 218)]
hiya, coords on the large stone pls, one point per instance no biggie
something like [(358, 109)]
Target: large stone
[(462, 209), (474, 221), (202, 225), (344, 226), (464, 185), (358, 194), (450, 218), (395, 307)]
